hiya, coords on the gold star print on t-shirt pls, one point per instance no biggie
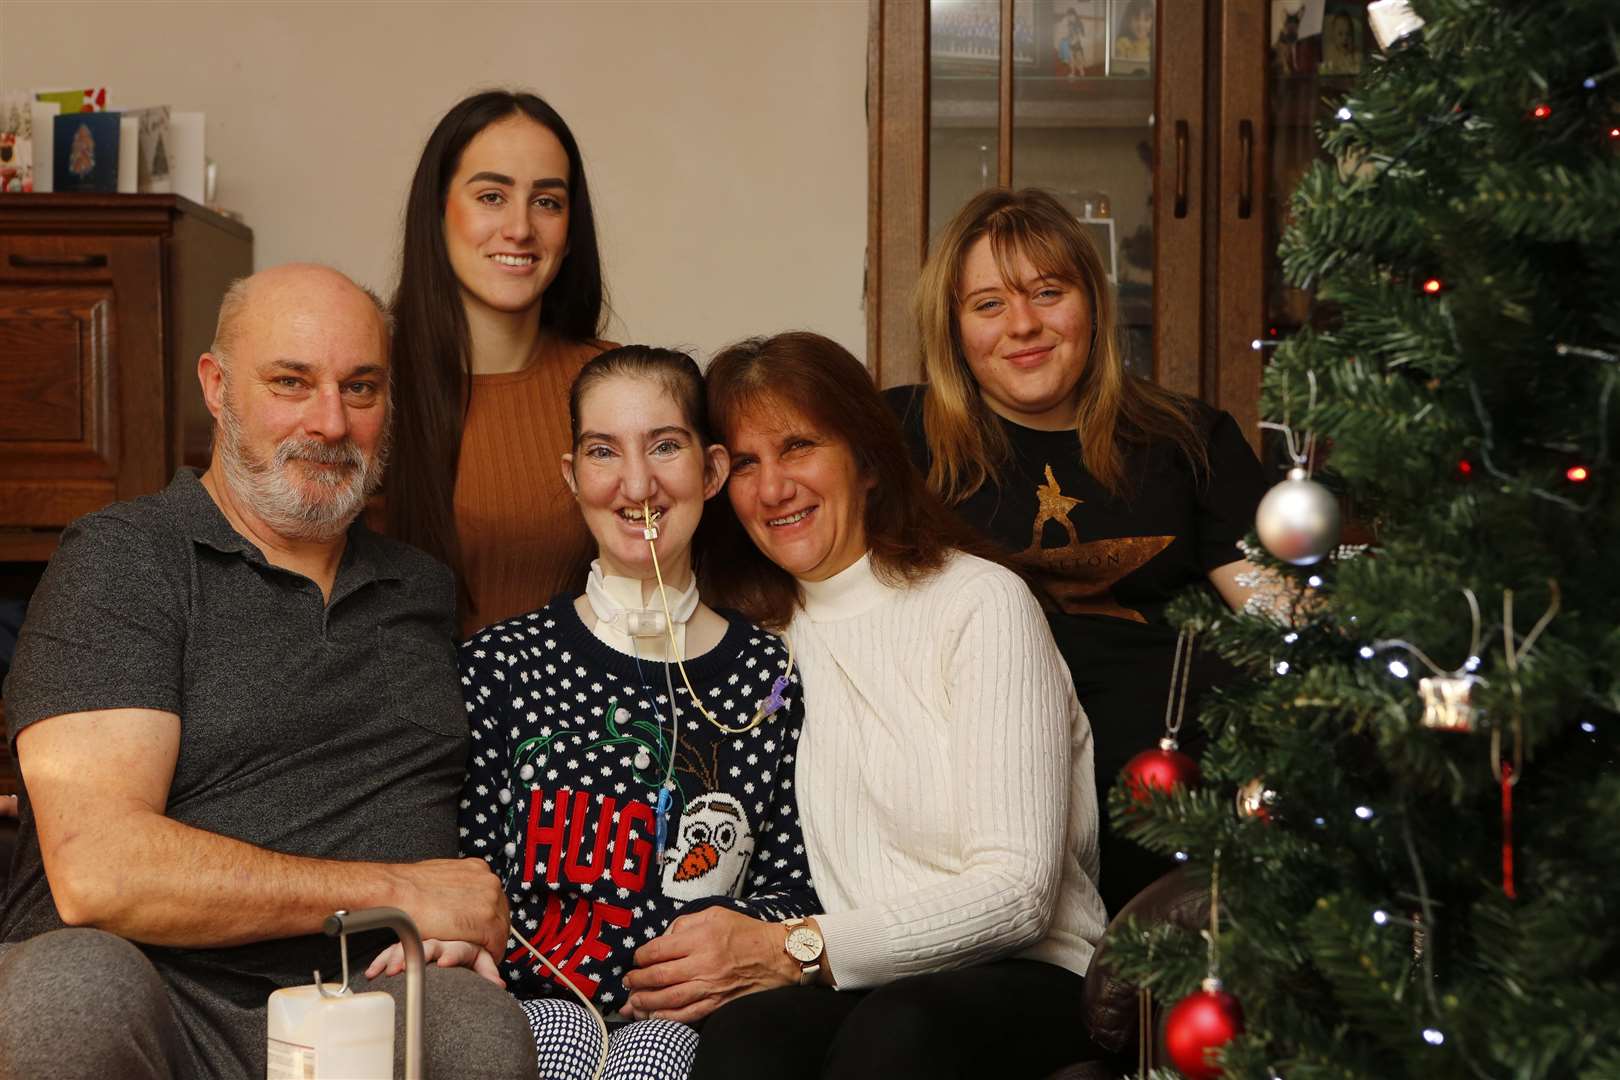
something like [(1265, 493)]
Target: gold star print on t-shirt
[(1078, 578)]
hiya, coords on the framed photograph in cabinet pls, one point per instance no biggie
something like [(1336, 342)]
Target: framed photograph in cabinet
[(1342, 34), (1296, 36), (1078, 38), (1130, 37)]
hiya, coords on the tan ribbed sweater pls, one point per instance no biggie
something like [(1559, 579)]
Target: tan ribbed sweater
[(522, 538), (945, 776)]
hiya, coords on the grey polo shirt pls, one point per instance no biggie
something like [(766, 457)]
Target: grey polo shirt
[(333, 730)]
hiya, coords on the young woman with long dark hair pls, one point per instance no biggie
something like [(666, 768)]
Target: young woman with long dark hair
[(500, 303)]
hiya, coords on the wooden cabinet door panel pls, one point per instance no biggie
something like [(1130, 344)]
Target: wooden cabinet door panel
[(96, 299), (1239, 317), (59, 456), (55, 380), (40, 383), (93, 303), (1179, 202)]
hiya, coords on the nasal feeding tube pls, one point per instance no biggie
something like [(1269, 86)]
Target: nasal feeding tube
[(766, 707)]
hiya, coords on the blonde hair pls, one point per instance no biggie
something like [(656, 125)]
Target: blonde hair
[(1114, 409)]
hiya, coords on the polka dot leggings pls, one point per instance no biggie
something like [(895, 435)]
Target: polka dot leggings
[(568, 1044)]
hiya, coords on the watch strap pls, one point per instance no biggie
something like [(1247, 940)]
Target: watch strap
[(807, 970)]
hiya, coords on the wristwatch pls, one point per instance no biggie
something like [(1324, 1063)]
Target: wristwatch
[(804, 945)]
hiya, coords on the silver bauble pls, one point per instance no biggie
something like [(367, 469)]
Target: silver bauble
[(1298, 520)]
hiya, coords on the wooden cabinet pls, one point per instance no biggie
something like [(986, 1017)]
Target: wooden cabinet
[(1178, 148), (105, 304)]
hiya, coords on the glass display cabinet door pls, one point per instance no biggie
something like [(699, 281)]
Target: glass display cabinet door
[(1284, 65), (1082, 127), (1066, 95)]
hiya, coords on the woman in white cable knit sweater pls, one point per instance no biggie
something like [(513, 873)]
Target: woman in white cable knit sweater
[(945, 778)]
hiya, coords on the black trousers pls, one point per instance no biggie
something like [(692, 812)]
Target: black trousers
[(1011, 1019)]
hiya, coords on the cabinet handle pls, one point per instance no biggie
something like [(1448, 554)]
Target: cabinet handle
[(57, 262), (1246, 178), (1181, 168)]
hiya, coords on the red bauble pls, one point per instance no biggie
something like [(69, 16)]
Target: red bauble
[(1164, 768), (1199, 1022)]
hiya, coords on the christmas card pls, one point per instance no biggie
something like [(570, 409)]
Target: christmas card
[(188, 164), (153, 168), (93, 99), (86, 148), (16, 143)]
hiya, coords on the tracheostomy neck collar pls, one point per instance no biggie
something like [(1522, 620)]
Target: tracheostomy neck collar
[(624, 623)]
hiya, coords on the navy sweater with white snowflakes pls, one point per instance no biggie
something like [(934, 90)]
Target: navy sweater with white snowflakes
[(570, 743)]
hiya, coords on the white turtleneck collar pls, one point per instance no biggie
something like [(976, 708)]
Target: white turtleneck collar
[(623, 622), (852, 591)]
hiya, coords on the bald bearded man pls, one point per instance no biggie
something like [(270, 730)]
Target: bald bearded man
[(235, 710)]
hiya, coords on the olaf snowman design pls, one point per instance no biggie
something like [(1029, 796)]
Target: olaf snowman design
[(712, 849)]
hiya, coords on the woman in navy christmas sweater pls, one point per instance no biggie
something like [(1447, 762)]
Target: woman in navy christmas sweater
[(606, 800)]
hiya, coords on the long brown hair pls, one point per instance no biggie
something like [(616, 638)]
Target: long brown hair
[(432, 355), (909, 532), (1114, 410)]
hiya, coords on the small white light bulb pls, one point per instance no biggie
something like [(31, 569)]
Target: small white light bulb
[(1381, 917), (1399, 669), (1365, 813), (1290, 637), (1282, 667), (1366, 652), (1344, 113), (1182, 856), (1433, 1036), (1472, 664), (1314, 581)]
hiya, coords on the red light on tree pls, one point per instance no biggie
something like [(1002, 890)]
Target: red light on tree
[(1465, 468), (1433, 285), (1541, 112), (1577, 474)]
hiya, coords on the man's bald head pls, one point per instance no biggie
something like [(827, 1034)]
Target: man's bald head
[(280, 291), (298, 380)]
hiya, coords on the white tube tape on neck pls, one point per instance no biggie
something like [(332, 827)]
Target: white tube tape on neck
[(621, 616)]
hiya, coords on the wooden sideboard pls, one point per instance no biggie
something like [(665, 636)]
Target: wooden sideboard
[(106, 301)]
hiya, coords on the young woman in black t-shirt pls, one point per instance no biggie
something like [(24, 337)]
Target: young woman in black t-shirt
[(1111, 493)]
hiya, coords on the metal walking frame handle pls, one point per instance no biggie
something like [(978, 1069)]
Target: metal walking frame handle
[(387, 918)]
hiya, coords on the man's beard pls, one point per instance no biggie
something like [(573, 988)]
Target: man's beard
[(280, 501)]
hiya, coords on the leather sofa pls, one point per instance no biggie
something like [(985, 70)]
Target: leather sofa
[(1110, 1004)]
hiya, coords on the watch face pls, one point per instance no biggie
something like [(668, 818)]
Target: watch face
[(803, 944)]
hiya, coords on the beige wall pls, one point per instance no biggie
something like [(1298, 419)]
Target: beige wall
[(725, 142)]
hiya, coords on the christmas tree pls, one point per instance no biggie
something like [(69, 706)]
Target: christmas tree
[(82, 154), (1420, 876)]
